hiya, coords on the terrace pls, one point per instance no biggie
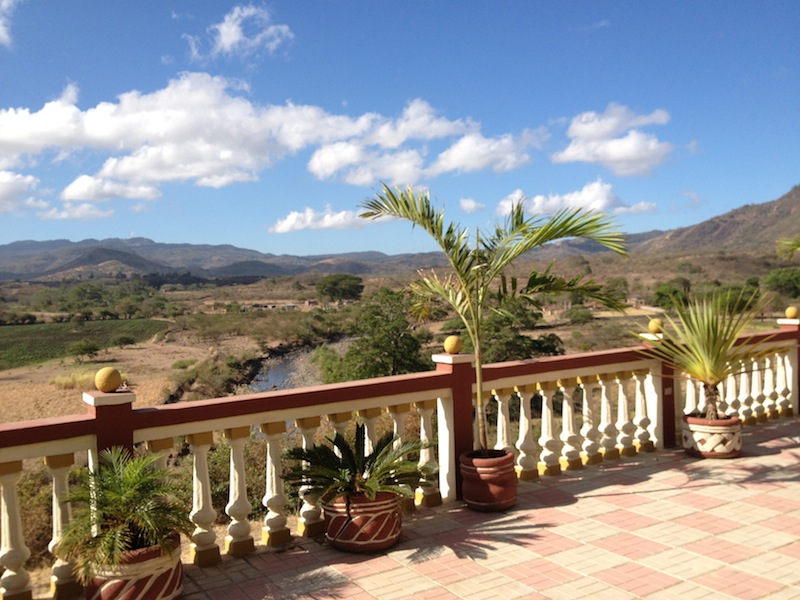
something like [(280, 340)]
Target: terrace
[(607, 509)]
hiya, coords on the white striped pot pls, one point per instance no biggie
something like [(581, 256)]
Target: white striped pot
[(367, 526), (146, 574), (720, 438)]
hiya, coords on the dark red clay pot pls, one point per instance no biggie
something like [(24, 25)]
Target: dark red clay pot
[(146, 574), (489, 481), (719, 438), (371, 526)]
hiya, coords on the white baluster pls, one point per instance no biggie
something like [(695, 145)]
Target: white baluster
[(770, 395), (731, 396), (15, 581), (526, 444), (203, 548), (784, 402), (428, 494), (503, 420), (274, 533), (398, 412), (62, 579), (370, 417), (608, 431), (791, 367), (745, 397), (642, 441), (757, 392), (590, 452), (339, 422), (625, 426), (691, 405), (239, 540), (551, 446), (310, 523), (571, 449)]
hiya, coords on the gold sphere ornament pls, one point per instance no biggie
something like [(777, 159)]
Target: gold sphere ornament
[(107, 379), (791, 312), (453, 344), (655, 326)]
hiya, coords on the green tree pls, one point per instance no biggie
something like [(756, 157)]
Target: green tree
[(82, 348), (387, 344), (477, 267), (785, 281), (340, 286), (579, 315)]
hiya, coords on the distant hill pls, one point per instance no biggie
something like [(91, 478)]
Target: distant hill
[(754, 227)]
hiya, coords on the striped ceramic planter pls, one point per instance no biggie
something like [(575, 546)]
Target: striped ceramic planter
[(720, 438), (370, 526), (146, 574)]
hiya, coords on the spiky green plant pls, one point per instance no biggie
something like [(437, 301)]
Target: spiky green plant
[(476, 268), (328, 475), (788, 246), (127, 503), (703, 341)]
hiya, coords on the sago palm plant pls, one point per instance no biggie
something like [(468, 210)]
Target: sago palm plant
[(702, 340), (479, 264), (126, 504), (328, 475)]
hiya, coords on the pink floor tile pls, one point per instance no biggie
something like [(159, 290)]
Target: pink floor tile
[(626, 519), (722, 550), (707, 522), (630, 546), (739, 584), (637, 579)]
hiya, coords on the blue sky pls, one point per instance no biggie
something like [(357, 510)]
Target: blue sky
[(266, 125)]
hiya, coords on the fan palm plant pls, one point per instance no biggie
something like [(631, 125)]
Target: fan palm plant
[(327, 474), (478, 266), (703, 341), (126, 504)]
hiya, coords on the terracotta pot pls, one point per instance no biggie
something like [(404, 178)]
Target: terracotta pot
[(146, 574), (489, 481), (370, 526), (719, 438)]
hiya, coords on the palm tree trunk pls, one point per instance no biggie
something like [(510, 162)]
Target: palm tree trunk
[(712, 400), (480, 411)]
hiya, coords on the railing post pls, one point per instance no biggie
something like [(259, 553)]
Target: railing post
[(113, 421), (549, 457), (455, 425), (571, 442), (527, 462)]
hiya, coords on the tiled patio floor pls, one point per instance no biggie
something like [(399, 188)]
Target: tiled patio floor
[(657, 526)]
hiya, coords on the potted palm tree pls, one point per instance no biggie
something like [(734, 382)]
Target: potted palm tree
[(359, 493), (125, 534), (469, 290), (702, 341)]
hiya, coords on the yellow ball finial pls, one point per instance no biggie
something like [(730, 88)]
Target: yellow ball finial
[(107, 379), (655, 326), (453, 345), (791, 312)]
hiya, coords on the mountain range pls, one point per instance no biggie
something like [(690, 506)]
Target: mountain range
[(750, 228)]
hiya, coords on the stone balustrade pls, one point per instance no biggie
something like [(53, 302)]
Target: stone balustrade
[(574, 412)]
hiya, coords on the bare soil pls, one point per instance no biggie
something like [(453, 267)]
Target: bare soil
[(30, 392)]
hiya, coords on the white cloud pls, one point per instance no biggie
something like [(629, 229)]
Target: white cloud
[(87, 187), (6, 10), (474, 152), (418, 121), (205, 130), (597, 196), (70, 211), (469, 205), (244, 31), (312, 219), (612, 140), (15, 189)]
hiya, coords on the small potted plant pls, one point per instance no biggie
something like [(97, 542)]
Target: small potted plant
[(359, 493), (703, 342), (125, 534)]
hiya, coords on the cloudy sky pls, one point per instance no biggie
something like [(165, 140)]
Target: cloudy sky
[(265, 125)]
